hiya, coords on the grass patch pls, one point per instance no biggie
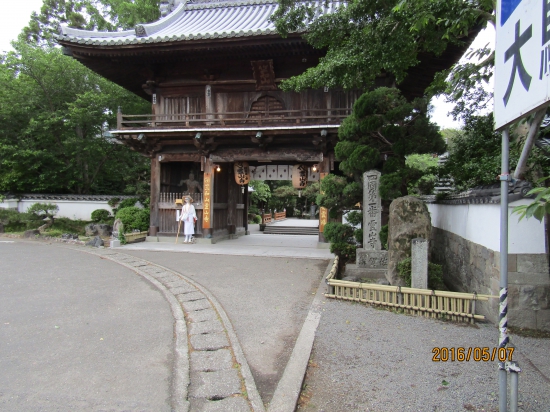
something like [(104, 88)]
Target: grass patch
[(529, 333)]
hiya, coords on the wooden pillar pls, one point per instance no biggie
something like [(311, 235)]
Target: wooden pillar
[(245, 217), (209, 103), (232, 197), (323, 211), (208, 200), (155, 195)]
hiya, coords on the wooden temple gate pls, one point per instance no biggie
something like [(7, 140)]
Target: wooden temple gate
[(212, 71)]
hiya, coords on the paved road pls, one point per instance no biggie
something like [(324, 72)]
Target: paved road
[(256, 244), (77, 332), (84, 296), (267, 300)]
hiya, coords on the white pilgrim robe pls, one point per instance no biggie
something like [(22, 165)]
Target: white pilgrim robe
[(188, 216)]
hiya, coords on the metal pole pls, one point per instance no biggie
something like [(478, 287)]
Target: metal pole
[(514, 377), (503, 306), (529, 141)]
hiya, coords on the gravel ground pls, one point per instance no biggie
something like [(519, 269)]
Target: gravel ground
[(366, 359)]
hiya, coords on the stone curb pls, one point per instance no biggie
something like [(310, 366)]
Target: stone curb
[(182, 380), (253, 394), (289, 387)]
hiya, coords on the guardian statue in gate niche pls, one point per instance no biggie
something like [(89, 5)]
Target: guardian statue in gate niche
[(193, 186)]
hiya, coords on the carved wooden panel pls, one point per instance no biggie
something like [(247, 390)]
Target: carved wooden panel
[(264, 107)]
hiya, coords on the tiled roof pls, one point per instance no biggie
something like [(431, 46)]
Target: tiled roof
[(93, 198), (192, 22)]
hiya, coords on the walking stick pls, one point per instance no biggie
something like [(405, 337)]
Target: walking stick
[(179, 227)]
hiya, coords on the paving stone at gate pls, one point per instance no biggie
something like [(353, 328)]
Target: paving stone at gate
[(217, 384), (209, 341), (136, 263), (173, 284), (232, 404), (169, 278), (211, 360), (162, 276), (125, 259), (190, 296), (202, 315), (183, 289), (196, 305), (153, 270), (200, 328)]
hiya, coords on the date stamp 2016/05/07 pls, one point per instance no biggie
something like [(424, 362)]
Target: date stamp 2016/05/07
[(477, 354)]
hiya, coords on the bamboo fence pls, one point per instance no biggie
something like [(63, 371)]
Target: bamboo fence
[(135, 237), (455, 306)]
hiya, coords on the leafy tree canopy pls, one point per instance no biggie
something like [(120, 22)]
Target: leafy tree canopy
[(368, 38), (475, 155), (101, 15), (53, 112), (381, 132)]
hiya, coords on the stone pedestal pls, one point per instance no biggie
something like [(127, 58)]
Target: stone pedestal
[(115, 243)]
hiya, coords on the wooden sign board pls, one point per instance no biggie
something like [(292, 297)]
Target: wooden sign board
[(207, 202)]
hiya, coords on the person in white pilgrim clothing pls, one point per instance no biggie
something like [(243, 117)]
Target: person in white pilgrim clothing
[(188, 216)]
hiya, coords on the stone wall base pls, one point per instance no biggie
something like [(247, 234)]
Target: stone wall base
[(470, 267)]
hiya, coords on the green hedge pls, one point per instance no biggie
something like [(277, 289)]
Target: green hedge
[(100, 215), (134, 218)]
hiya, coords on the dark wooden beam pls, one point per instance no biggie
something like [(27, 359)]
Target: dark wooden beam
[(180, 157), (283, 154)]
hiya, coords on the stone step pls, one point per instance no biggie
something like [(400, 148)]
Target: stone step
[(291, 230)]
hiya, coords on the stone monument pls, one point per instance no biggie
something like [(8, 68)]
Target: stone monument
[(409, 219), (118, 228), (419, 263), (371, 261)]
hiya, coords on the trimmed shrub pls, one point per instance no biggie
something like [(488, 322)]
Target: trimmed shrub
[(41, 211), (342, 240), (435, 274), (127, 203), (14, 221), (100, 215), (134, 218)]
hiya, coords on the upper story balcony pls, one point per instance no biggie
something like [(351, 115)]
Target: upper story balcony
[(226, 121), (224, 112)]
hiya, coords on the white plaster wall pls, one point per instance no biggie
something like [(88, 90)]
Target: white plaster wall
[(480, 223), (8, 204), (81, 209)]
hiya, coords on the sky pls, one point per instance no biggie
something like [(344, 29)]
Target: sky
[(16, 15)]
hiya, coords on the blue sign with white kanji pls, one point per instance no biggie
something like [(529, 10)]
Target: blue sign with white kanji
[(507, 8), (522, 59)]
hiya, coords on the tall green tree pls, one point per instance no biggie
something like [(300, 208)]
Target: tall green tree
[(101, 15), (475, 155), (381, 132), (365, 39), (53, 114)]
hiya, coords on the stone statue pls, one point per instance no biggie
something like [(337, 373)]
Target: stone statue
[(118, 227), (193, 186)]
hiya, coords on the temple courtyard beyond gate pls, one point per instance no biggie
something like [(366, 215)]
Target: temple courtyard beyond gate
[(153, 330)]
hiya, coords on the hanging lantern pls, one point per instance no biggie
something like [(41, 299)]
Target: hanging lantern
[(242, 174), (299, 178)]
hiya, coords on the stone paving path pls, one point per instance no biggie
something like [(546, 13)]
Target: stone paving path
[(210, 373)]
